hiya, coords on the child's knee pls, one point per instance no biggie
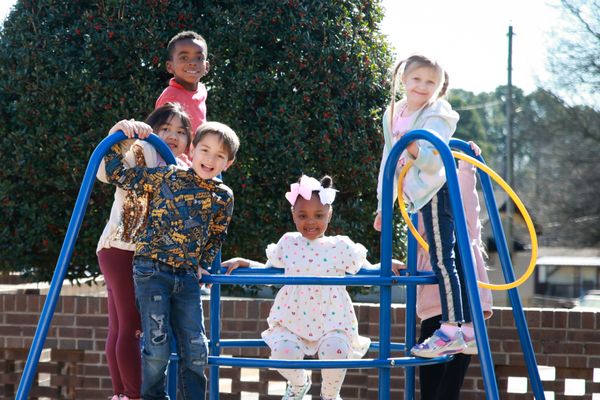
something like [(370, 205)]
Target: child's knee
[(334, 348), (287, 350)]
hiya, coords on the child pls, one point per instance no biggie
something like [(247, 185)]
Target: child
[(117, 243), (444, 381), (425, 189), (310, 319), (187, 52), (188, 215)]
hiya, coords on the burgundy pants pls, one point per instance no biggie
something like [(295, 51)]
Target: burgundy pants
[(122, 344)]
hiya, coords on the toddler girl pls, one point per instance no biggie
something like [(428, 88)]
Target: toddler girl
[(311, 319)]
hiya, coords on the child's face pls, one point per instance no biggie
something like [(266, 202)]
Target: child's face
[(188, 63), (421, 84), (210, 157), (174, 134), (311, 217)]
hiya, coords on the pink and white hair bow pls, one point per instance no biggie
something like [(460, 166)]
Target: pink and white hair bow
[(305, 188)]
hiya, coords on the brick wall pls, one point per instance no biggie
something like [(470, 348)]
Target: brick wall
[(568, 341)]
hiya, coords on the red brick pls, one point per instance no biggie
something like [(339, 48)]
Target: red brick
[(71, 332), (583, 336), (534, 318), (560, 319), (574, 319), (80, 305), (20, 302), (86, 320), (66, 305), (63, 320), (588, 320), (33, 303), (20, 319)]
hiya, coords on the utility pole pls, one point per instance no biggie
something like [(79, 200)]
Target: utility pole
[(509, 147)]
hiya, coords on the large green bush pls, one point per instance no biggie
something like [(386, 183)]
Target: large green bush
[(302, 82)]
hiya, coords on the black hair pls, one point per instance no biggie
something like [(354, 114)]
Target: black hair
[(163, 115), (184, 36), (327, 182)]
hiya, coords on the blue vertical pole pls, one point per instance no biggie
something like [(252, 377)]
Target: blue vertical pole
[(386, 271), (67, 250), (508, 272), (410, 320), (215, 329)]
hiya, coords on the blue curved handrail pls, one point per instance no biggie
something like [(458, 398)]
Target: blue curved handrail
[(67, 251)]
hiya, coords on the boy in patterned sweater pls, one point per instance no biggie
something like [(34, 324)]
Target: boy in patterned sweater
[(189, 212)]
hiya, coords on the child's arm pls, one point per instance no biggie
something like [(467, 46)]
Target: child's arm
[(130, 128), (235, 263), (442, 121), (138, 179), (396, 266), (217, 231)]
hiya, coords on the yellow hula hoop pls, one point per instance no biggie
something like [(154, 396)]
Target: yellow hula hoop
[(498, 179)]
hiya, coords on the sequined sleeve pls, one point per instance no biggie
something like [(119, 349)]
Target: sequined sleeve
[(139, 179)]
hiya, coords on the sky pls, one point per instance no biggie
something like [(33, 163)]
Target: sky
[(468, 37)]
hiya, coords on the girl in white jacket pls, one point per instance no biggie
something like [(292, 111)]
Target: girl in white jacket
[(116, 246), (425, 190)]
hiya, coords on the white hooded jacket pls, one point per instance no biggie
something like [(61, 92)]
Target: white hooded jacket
[(427, 174)]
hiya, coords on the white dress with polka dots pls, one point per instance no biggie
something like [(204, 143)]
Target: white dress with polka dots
[(307, 314)]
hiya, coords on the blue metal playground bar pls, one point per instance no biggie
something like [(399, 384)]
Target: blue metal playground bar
[(67, 251), (383, 278), (508, 272)]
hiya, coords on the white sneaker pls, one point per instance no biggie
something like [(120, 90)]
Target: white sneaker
[(290, 394)]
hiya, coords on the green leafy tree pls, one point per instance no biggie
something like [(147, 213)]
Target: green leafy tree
[(575, 52), (302, 82), (555, 172)]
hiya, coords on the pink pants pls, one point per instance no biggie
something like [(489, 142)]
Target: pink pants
[(122, 344)]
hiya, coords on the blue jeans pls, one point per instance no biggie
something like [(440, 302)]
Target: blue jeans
[(438, 221), (169, 302)]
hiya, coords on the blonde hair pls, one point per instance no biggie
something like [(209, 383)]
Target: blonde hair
[(411, 63)]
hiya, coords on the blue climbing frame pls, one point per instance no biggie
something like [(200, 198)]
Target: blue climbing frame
[(383, 278)]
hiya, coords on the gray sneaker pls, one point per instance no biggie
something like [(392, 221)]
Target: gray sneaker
[(290, 394)]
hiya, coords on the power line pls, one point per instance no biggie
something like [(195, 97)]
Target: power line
[(478, 106)]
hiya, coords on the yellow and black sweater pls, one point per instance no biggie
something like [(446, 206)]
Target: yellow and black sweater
[(188, 216)]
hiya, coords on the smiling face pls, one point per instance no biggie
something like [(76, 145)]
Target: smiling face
[(421, 85), (188, 63), (174, 133), (211, 157), (311, 217)]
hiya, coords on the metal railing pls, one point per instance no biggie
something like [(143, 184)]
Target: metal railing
[(383, 278)]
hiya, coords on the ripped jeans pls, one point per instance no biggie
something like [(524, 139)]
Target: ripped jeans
[(169, 302)]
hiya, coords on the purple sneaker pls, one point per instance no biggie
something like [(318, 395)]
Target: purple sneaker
[(439, 345)]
